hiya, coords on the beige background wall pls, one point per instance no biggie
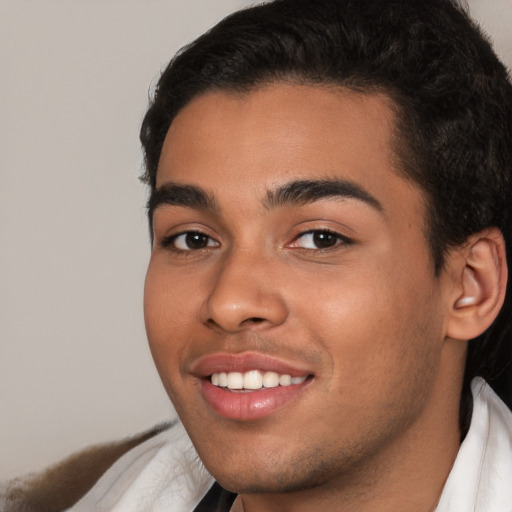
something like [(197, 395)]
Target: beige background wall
[(74, 75)]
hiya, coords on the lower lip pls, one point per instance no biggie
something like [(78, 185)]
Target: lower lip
[(249, 405)]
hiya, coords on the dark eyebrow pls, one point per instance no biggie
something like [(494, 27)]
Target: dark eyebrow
[(173, 194), (308, 191)]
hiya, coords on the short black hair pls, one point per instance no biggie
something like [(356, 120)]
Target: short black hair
[(452, 99)]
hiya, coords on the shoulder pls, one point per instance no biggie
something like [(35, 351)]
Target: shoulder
[(161, 474), (484, 461), (63, 484)]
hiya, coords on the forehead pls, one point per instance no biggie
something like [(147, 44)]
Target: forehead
[(254, 142)]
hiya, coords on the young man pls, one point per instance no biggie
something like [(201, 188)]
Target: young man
[(330, 212)]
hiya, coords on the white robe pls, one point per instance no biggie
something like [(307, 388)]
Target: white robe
[(164, 474)]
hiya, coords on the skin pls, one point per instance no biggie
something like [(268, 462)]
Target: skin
[(376, 428)]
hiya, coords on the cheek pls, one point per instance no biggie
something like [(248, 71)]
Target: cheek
[(167, 313), (376, 326), (169, 295)]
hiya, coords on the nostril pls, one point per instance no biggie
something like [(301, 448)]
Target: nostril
[(212, 324), (254, 320)]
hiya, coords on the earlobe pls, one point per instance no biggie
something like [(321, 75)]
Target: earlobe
[(482, 284)]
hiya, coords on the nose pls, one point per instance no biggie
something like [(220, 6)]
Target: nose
[(244, 295)]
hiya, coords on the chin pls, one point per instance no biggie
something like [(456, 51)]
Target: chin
[(278, 474)]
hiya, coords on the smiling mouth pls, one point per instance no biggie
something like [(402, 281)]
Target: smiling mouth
[(253, 380), (249, 386)]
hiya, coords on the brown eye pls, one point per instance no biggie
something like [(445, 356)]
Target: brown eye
[(320, 239), (192, 241), (324, 239)]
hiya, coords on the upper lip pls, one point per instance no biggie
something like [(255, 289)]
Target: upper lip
[(244, 362)]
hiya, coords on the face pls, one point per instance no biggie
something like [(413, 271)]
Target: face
[(291, 304)]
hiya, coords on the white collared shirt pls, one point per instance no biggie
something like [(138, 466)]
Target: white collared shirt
[(481, 477)]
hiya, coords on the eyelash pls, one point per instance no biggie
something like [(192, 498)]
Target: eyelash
[(340, 240), (169, 242)]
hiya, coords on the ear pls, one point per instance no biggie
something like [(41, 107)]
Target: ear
[(481, 283)]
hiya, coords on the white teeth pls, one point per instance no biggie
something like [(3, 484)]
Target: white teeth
[(285, 380), (235, 380), (270, 380), (253, 379), (223, 379)]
